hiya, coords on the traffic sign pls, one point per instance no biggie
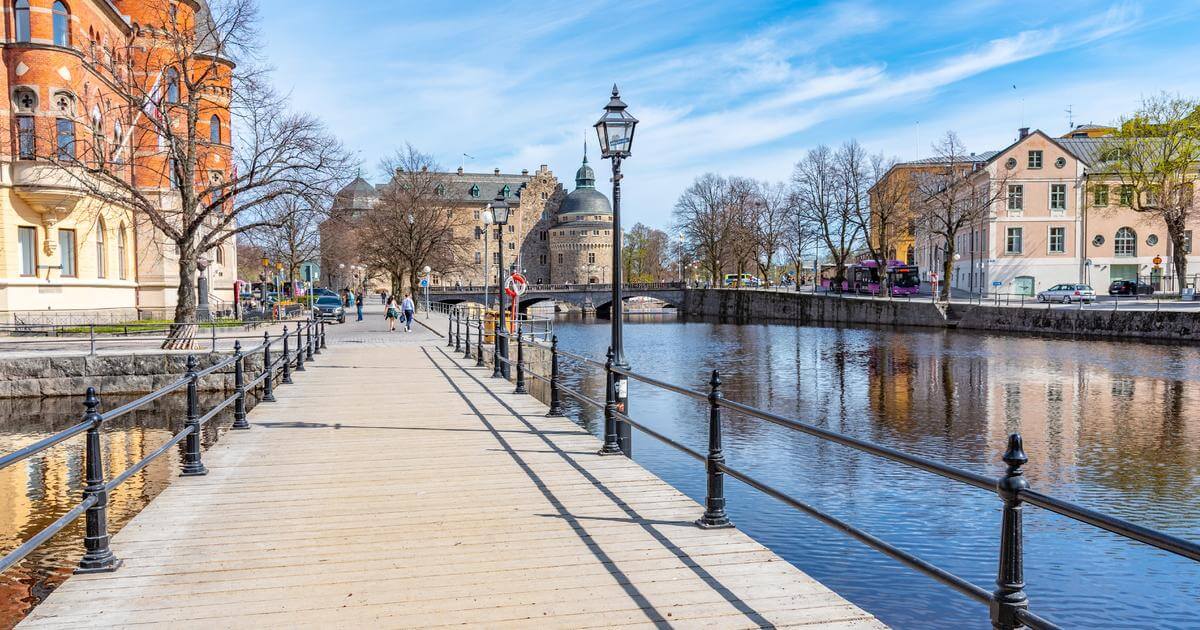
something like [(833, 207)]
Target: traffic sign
[(997, 283), (1157, 260), (424, 282)]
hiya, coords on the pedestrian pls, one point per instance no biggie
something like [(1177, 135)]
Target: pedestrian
[(359, 305), (392, 313), (407, 307), (383, 297)]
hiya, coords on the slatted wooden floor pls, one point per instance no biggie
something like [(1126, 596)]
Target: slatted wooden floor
[(392, 486)]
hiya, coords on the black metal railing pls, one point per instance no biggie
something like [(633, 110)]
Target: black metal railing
[(98, 336), (299, 344), (1008, 603)]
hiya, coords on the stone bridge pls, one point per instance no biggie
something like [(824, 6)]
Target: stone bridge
[(585, 296)]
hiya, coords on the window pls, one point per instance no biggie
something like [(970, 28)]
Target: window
[(545, 195), (171, 77), (476, 215), (1187, 241), (172, 173), (1016, 197), (62, 25), (1012, 244), (66, 249), (542, 259), (478, 233), (512, 245), (512, 229), (1127, 196), (1058, 240), (118, 141), (478, 257), (21, 7), (122, 269), (1035, 159), (26, 138), (591, 258), (495, 258), (101, 267), (1100, 196), (1058, 198), (560, 259), (504, 191), (1125, 242), (214, 130), (65, 132), (542, 235), (27, 240), (221, 256), (474, 190)]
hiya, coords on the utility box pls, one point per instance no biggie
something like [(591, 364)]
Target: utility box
[(489, 325), (1188, 294)]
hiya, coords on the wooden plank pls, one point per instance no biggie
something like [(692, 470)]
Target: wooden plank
[(395, 485)]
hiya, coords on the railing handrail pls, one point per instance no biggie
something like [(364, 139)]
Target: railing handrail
[(98, 556)]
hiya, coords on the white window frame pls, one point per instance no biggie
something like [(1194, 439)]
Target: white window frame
[(1050, 240), (1058, 210), (1016, 192), (1008, 240)]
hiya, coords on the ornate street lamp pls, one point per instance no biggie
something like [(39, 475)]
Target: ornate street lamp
[(428, 279), (615, 130), (499, 211)]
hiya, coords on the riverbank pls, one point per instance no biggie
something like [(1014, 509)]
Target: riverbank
[(820, 309)]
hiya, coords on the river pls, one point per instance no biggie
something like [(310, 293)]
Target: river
[(1114, 426)]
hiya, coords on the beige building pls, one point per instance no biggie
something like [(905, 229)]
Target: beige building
[(1058, 220)]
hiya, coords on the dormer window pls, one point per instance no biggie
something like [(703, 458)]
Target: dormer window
[(504, 191), (474, 190)]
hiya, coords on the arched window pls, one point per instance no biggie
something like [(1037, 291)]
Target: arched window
[(220, 255), (171, 76), (62, 24), (214, 129), (101, 266), (1125, 242), (122, 255), (118, 141), (21, 8)]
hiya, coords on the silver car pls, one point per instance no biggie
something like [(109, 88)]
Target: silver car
[(1067, 293)]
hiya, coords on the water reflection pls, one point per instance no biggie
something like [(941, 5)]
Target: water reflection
[(36, 492), (1111, 425)]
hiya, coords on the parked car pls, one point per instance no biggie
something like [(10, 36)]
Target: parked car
[(1129, 287), (748, 280), (1067, 293), (329, 307), (321, 291)]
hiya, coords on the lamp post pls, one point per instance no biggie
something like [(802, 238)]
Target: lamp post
[(615, 130), (427, 271), (487, 227), (498, 210), (202, 310)]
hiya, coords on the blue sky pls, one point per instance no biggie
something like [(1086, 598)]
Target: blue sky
[(738, 88)]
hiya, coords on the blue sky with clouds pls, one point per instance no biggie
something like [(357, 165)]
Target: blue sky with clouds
[(731, 87)]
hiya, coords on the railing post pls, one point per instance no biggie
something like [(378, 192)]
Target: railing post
[(714, 501), (192, 466), (318, 327), (97, 557), (449, 328), (467, 345), (1009, 597), (269, 368), (299, 348), (479, 341), (520, 363), (556, 409), (323, 325), (239, 382), (612, 444), (308, 337), (457, 330), (287, 358), (496, 371)]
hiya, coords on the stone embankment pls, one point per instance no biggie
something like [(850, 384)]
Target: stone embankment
[(34, 377), (809, 309)]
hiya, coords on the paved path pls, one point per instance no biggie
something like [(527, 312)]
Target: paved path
[(394, 486)]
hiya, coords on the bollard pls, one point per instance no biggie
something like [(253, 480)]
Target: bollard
[(319, 326), (479, 342), (612, 444), (467, 345), (97, 556), (308, 336), (520, 363), (239, 383), (323, 325), (269, 368), (287, 359), (457, 331), (714, 501), (299, 349), (556, 410), (496, 371), (192, 466), (1009, 597)]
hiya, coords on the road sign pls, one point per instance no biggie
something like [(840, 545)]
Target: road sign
[(424, 282), (997, 283), (1157, 260)]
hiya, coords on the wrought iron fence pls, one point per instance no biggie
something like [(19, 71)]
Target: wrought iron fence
[(1008, 604), (309, 339), (96, 335)]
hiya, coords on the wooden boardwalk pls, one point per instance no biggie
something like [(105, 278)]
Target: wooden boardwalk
[(394, 486)]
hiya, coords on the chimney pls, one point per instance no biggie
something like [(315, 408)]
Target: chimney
[(496, 171), (524, 171), (460, 170), (424, 169), (1022, 133)]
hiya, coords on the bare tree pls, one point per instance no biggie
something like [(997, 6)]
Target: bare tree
[(172, 93), (294, 239), (414, 224), (702, 215), (888, 214), (801, 233), (645, 254), (1155, 154), (770, 225), (828, 187), (951, 197)]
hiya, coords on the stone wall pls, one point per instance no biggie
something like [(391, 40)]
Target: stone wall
[(1164, 325), (806, 308), (113, 374)]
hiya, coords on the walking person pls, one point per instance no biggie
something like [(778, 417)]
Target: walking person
[(392, 313), (359, 305), (407, 308)]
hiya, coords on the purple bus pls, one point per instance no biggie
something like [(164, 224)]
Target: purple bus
[(904, 279)]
